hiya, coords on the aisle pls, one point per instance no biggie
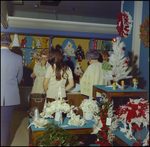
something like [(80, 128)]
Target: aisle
[(18, 127)]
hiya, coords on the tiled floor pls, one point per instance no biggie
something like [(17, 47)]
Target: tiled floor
[(18, 127)]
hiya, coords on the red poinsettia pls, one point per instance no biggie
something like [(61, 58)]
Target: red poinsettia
[(56, 142), (136, 127)]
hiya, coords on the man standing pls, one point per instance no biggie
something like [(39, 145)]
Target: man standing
[(11, 76)]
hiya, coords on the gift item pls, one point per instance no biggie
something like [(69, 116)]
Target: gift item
[(89, 108), (135, 82), (58, 106), (106, 122), (38, 44), (33, 44), (124, 24), (135, 117), (15, 41), (44, 44), (23, 42), (69, 50), (77, 70), (37, 121), (144, 32), (114, 86), (122, 85), (79, 54)]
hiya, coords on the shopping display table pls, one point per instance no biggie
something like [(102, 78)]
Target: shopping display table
[(85, 129), (127, 92)]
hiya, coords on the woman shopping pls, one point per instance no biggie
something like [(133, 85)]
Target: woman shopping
[(39, 71), (56, 76)]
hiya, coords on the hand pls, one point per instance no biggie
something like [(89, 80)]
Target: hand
[(33, 75)]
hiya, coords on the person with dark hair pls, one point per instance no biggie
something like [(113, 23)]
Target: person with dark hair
[(93, 74), (56, 76), (105, 56), (11, 76)]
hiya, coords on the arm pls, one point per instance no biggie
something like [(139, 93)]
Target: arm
[(33, 75), (45, 83), (20, 72), (70, 85)]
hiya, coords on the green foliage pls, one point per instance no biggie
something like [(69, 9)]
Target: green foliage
[(56, 136)]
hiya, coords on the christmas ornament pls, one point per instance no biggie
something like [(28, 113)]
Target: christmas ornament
[(106, 66), (23, 42), (122, 85), (114, 86), (124, 24), (15, 41), (38, 44), (44, 40), (79, 54), (135, 82), (77, 70), (69, 50), (144, 32), (33, 44)]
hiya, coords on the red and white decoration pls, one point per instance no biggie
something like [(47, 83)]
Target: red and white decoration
[(77, 70), (119, 63), (124, 24)]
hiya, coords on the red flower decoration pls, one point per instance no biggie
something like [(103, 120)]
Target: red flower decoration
[(114, 39), (68, 58), (56, 142), (123, 49), (136, 127)]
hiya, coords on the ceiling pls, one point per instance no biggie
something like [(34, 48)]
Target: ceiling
[(83, 11)]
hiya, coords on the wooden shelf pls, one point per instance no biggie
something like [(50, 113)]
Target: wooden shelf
[(32, 48)]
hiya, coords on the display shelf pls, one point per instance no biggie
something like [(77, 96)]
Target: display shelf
[(32, 48)]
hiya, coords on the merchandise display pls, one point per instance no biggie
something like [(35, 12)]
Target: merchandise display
[(134, 117), (106, 124), (119, 67), (144, 32), (124, 24), (79, 54)]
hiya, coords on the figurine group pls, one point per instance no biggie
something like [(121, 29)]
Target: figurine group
[(135, 82), (34, 45)]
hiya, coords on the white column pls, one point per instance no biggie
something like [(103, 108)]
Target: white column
[(122, 6), (136, 42)]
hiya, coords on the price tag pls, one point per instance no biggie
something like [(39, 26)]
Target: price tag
[(108, 121)]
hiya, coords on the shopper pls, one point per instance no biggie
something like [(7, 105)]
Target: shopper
[(56, 76), (93, 74), (11, 76), (38, 74)]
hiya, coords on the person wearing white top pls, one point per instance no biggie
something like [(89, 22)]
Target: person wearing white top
[(93, 74), (56, 76), (39, 72)]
